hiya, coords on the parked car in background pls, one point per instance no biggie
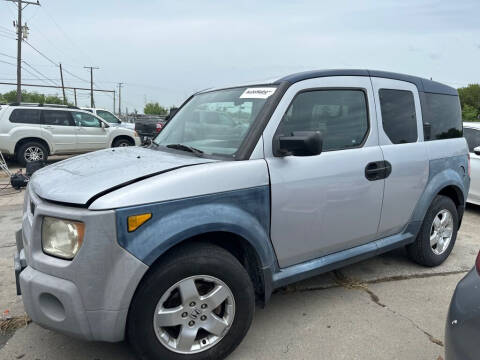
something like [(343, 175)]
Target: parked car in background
[(148, 126), (462, 332), (32, 132), (247, 190), (110, 118), (471, 131)]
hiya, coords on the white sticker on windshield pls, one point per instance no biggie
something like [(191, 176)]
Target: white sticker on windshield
[(257, 93)]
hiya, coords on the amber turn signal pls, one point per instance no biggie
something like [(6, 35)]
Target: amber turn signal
[(135, 221)]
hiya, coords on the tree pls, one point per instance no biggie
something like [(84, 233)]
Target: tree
[(154, 109), (470, 113), (30, 97), (470, 100)]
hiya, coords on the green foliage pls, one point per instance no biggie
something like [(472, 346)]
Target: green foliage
[(470, 113), (31, 97), (470, 100), (154, 109)]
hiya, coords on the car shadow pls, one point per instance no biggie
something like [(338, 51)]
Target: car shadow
[(473, 208)]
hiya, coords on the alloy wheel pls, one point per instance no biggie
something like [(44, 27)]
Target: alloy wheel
[(441, 232), (194, 314), (33, 153)]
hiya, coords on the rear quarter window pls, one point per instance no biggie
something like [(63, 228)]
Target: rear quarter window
[(398, 115), (25, 116), (442, 116)]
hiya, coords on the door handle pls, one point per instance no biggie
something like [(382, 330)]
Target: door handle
[(48, 127), (378, 170)]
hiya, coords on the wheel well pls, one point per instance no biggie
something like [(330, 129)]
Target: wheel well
[(24, 140), (125, 137), (454, 193), (238, 247)]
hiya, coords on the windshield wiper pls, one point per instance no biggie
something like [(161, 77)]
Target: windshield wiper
[(185, 148)]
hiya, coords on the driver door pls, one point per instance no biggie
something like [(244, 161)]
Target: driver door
[(324, 203), (91, 135)]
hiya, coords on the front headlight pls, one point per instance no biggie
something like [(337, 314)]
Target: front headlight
[(62, 238)]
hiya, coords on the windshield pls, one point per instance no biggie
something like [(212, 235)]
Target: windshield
[(108, 116), (215, 123)]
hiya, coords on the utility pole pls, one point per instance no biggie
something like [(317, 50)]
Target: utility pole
[(120, 99), (21, 33), (63, 85), (114, 94), (75, 95), (92, 102)]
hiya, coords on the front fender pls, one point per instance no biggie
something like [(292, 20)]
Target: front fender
[(443, 172), (245, 213)]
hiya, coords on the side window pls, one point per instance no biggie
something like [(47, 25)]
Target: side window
[(86, 120), (108, 116), (473, 138), (442, 116), (398, 115), (340, 115), (25, 116), (54, 117)]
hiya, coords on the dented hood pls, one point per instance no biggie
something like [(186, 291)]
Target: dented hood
[(83, 178)]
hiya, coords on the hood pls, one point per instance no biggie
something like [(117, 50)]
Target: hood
[(126, 125), (80, 179)]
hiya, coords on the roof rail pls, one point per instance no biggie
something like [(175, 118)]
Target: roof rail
[(44, 105)]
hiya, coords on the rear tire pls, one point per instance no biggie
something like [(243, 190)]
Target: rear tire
[(437, 235), (31, 151), (211, 270)]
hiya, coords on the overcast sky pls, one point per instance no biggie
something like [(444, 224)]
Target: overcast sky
[(165, 50)]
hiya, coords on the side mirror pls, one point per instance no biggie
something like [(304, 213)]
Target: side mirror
[(477, 150), (103, 125), (300, 143)]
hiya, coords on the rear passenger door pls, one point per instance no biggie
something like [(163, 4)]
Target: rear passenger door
[(58, 127), (400, 132), (324, 203)]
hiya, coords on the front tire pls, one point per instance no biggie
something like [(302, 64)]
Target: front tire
[(437, 235), (122, 142), (31, 151), (197, 304)]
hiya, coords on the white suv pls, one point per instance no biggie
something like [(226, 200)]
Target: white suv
[(32, 132)]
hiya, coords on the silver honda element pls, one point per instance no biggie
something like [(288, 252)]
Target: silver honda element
[(246, 190)]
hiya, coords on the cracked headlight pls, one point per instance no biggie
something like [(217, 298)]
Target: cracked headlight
[(62, 238)]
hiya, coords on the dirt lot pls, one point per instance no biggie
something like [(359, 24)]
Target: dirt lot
[(382, 308)]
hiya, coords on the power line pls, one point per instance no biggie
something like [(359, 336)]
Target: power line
[(9, 56), (28, 71), (75, 76), (5, 32), (6, 62), (39, 52), (7, 37), (31, 67), (64, 33), (54, 63), (7, 29)]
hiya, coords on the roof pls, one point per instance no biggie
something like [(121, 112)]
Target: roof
[(423, 85)]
